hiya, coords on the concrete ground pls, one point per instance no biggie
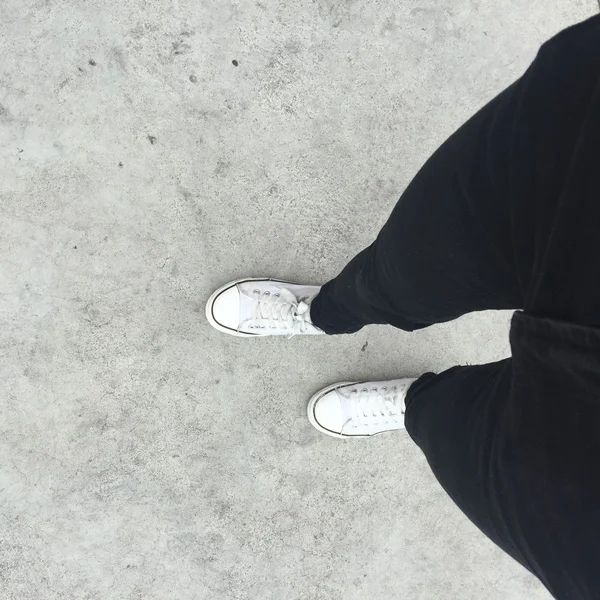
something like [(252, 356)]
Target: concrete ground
[(153, 150)]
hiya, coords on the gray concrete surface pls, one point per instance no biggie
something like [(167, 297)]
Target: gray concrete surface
[(144, 456)]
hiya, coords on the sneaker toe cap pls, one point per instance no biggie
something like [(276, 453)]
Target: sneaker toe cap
[(328, 412), (226, 308)]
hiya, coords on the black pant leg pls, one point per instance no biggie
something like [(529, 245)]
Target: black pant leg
[(503, 215), (434, 260), (516, 445), (453, 418)]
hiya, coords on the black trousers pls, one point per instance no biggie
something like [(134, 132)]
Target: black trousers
[(506, 215)]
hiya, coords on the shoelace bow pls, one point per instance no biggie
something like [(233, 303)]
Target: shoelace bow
[(281, 310)]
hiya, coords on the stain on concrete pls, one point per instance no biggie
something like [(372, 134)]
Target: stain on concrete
[(180, 47), (389, 26), (119, 57), (222, 168), (293, 46), (95, 316)]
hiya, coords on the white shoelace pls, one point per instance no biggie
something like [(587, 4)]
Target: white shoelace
[(279, 310), (376, 406)]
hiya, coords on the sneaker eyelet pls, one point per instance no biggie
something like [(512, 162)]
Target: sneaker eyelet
[(354, 391), (267, 293), (277, 295), (364, 390), (394, 388), (384, 388), (257, 291), (374, 389)]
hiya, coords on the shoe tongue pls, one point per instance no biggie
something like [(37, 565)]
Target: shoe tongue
[(288, 296)]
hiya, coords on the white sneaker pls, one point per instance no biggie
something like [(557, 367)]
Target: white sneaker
[(358, 410), (260, 307)]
